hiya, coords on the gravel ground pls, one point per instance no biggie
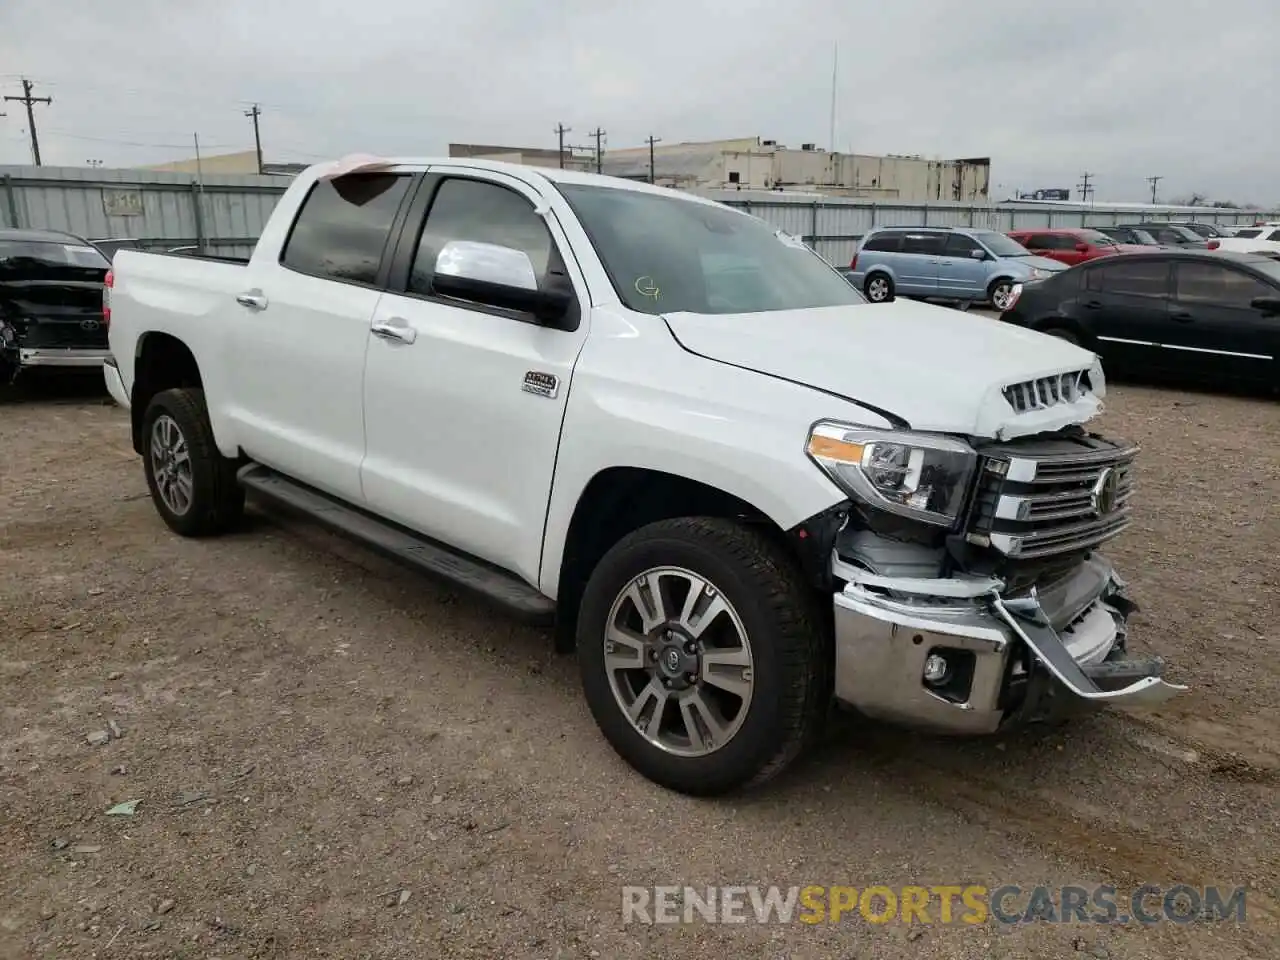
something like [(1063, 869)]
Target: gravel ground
[(312, 731)]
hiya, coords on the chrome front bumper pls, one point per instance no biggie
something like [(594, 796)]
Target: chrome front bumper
[(61, 357), (1005, 655)]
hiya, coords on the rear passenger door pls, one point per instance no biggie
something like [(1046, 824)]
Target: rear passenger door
[(1124, 304), (962, 268), (1214, 331), (919, 263), (297, 338)]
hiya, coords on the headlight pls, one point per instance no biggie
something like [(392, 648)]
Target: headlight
[(1039, 274), (918, 475)]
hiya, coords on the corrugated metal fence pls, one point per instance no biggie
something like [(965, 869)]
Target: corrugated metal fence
[(225, 214), (222, 215), (834, 225)]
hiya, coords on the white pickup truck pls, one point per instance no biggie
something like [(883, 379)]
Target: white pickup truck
[(741, 492)]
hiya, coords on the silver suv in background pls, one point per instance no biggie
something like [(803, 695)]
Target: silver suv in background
[(955, 264)]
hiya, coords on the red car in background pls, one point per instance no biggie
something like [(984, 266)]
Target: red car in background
[(1072, 246)]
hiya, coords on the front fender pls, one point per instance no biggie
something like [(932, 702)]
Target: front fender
[(638, 400)]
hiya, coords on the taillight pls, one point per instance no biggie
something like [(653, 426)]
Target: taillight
[(1214, 244), (853, 264), (108, 283)]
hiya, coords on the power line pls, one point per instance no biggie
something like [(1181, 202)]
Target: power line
[(599, 134), (651, 141), (561, 130), (257, 137), (131, 143), (1085, 188), (1154, 181), (30, 102)]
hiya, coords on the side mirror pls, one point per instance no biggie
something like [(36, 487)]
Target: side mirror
[(978, 254), (1267, 306), (1082, 248), (497, 276)]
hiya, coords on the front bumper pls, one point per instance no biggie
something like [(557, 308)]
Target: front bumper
[(61, 357), (1007, 661)]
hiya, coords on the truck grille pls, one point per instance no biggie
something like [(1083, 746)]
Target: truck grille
[(1050, 496), (1047, 392)]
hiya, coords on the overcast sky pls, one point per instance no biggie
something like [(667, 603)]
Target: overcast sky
[(1124, 89)]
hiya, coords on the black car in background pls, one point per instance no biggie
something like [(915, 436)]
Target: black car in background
[(1130, 235), (1198, 315), (1178, 235), (50, 302)]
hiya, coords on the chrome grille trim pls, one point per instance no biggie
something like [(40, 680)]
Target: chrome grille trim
[(1035, 506), (1045, 392)]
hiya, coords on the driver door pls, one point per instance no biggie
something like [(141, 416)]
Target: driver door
[(463, 401)]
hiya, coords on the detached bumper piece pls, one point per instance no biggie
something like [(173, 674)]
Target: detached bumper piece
[(956, 656)]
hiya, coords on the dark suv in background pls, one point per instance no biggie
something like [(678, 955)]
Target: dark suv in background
[(50, 302)]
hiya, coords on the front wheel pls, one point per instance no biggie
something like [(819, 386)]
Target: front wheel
[(702, 656), (1001, 294)]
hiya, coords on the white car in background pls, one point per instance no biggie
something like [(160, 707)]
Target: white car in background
[(1263, 238)]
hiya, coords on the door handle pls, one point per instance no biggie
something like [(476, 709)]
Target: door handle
[(395, 328), (1093, 305), (1182, 316), (253, 299)]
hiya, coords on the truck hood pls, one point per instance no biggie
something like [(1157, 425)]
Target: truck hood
[(930, 367)]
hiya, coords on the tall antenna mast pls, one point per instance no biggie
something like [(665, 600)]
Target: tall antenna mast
[(835, 66)]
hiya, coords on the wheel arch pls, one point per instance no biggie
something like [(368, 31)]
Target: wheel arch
[(161, 362), (619, 500)]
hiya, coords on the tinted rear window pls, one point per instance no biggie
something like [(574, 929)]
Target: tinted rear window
[(47, 253), (1142, 278), (343, 226), (925, 244), (884, 242), (1247, 234)]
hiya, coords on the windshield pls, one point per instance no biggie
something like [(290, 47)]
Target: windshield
[(1097, 238), (48, 253), (1000, 245), (675, 255), (1268, 268), (1185, 233), (1143, 237)]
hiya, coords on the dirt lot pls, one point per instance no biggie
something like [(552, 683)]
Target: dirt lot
[(311, 731)]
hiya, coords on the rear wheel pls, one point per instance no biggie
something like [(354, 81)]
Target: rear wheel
[(703, 659), (192, 485), (878, 287)]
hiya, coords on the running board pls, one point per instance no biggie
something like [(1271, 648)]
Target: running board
[(399, 544)]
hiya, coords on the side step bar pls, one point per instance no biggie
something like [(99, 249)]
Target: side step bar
[(398, 543)]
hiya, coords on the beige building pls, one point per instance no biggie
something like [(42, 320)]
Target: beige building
[(244, 162), (750, 163), (755, 164), (529, 156)]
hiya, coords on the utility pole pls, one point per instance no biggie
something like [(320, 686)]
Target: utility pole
[(1085, 188), (561, 130), (652, 140), (1154, 181), (599, 138), (31, 101), (254, 114)]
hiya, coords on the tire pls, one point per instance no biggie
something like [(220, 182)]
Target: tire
[(767, 606), (878, 287), (999, 292), (176, 431), (1062, 333)]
